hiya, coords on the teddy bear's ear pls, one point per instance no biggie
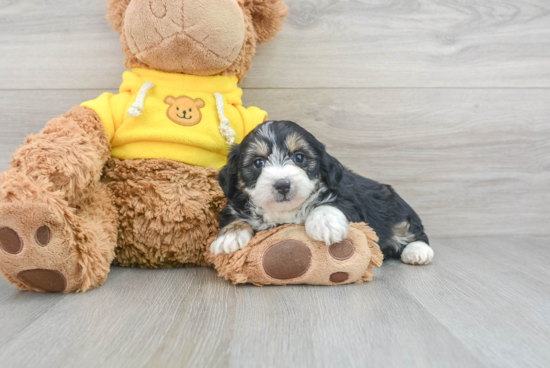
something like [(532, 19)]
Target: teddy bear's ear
[(115, 12), (199, 103), (169, 100), (267, 17)]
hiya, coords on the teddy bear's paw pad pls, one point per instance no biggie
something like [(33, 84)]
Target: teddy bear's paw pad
[(43, 236), (43, 280), (10, 241), (342, 250), (36, 249), (287, 260), (338, 277)]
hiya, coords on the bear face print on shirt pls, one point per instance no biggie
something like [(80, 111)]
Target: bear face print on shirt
[(184, 110)]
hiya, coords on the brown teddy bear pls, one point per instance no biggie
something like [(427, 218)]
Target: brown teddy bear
[(130, 179)]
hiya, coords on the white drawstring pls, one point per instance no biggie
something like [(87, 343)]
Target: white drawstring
[(225, 125), (137, 107)]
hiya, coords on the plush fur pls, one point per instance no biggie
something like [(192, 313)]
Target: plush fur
[(282, 174), (167, 211), (247, 265), (52, 155), (67, 210), (64, 193)]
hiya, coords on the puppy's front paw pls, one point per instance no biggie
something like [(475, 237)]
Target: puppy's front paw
[(232, 238), (327, 224), (230, 242), (417, 253)]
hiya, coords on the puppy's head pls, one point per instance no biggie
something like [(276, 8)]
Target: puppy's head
[(279, 165)]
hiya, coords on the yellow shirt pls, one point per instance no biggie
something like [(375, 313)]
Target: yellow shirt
[(179, 121)]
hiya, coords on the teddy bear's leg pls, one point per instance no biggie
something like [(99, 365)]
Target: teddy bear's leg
[(286, 255), (167, 211), (58, 223)]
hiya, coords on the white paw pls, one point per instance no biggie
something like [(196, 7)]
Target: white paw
[(230, 242), (327, 224), (417, 253)]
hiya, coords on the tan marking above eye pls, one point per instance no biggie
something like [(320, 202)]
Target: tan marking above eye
[(259, 148), (295, 143)]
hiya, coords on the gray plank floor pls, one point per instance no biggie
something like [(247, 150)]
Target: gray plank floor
[(483, 302), (446, 100)]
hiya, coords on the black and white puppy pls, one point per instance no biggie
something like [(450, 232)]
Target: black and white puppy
[(280, 174)]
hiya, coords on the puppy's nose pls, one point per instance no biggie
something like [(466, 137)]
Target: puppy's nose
[(282, 186)]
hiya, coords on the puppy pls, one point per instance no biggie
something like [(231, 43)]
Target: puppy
[(281, 174)]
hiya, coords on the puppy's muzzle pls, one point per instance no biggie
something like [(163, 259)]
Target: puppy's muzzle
[(282, 186)]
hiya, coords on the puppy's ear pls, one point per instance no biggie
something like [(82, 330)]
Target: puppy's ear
[(229, 175), (332, 171)]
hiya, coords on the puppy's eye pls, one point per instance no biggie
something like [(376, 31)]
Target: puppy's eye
[(190, 110), (299, 158), (259, 163), (177, 108)]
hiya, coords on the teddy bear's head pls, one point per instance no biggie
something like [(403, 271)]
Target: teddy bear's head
[(199, 37)]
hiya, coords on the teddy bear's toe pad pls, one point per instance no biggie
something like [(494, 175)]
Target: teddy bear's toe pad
[(338, 277), (42, 236), (44, 280), (35, 248), (287, 260), (10, 241), (342, 251)]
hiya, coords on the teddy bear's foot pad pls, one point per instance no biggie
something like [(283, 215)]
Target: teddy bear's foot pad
[(286, 255), (290, 259), (35, 250), (39, 279), (44, 280), (287, 260)]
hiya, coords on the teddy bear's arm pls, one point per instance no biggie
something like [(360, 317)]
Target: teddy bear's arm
[(111, 110), (252, 117)]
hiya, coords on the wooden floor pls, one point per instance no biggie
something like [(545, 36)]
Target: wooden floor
[(447, 100), (484, 302)]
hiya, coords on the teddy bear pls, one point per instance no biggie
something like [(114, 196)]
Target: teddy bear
[(130, 179)]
